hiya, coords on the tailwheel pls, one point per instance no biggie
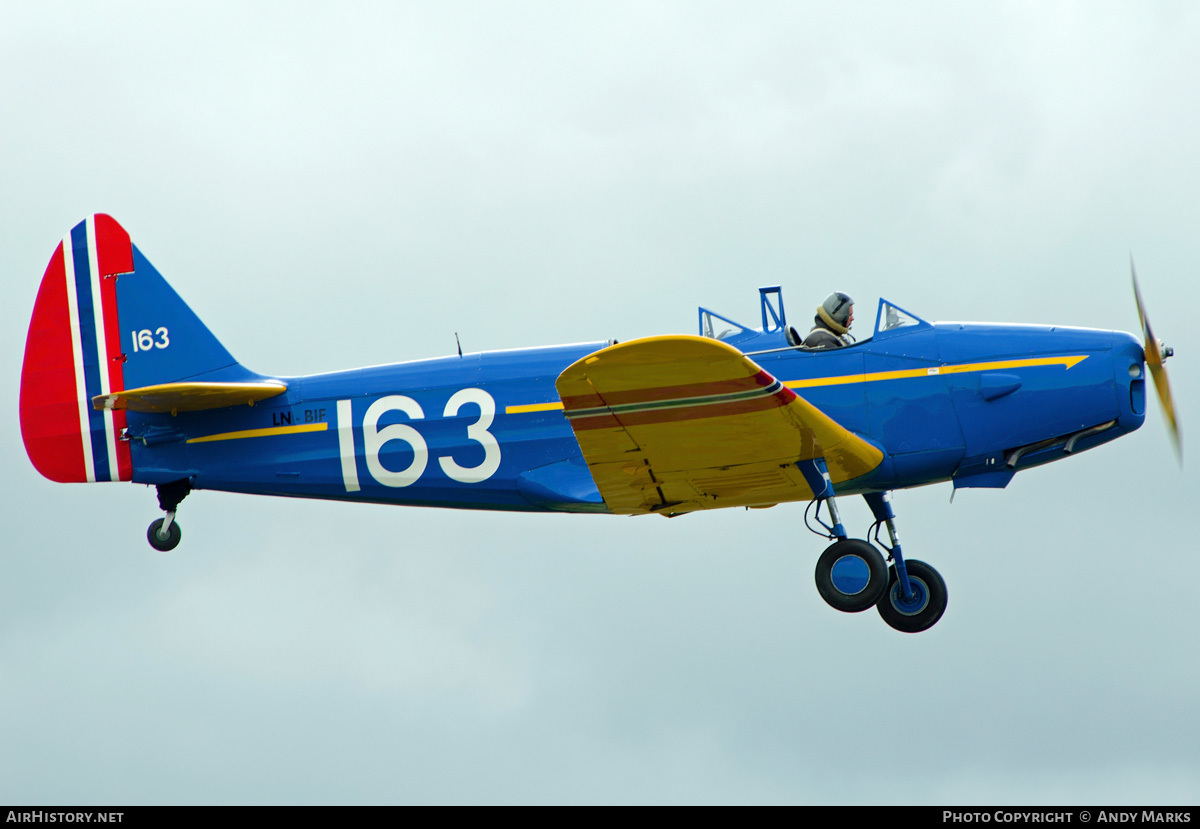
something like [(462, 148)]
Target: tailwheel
[(851, 575), (163, 538), (164, 533), (921, 610)]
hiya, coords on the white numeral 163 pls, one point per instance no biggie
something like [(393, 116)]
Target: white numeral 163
[(374, 439), (144, 340)]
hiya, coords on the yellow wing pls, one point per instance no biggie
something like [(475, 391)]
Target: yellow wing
[(188, 397), (676, 424)]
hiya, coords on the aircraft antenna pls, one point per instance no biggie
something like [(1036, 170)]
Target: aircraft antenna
[(457, 343)]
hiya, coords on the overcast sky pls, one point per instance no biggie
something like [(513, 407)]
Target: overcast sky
[(340, 185)]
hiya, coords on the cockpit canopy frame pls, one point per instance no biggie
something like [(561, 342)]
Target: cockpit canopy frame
[(890, 321)]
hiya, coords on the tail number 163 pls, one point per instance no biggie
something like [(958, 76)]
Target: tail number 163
[(376, 437)]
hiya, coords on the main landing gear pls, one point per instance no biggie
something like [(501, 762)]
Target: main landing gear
[(852, 575), (164, 533)]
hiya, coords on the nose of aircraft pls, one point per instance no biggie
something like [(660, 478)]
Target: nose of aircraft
[(1129, 373)]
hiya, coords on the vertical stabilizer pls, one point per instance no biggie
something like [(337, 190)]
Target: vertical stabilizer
[(104, 321)]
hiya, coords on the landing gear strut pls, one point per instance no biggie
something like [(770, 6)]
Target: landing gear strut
[(164, 533), (916, 594), (852, 575)]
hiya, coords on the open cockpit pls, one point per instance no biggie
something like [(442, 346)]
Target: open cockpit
[(776, 335)]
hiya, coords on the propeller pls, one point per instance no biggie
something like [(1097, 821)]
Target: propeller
[(1156, 354)]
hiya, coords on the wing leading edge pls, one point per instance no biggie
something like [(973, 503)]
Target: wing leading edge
[(680, 423)]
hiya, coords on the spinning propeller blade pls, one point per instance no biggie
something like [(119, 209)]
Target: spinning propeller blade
[(1156, 354)]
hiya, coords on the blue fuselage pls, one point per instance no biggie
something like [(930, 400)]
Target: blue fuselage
[(970, 403)]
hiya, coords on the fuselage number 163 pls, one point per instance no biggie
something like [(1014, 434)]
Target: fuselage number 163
[(376, 437)]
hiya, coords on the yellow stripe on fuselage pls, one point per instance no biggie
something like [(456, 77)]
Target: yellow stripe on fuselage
[(935, 371), (262, 433), (533, 407), (874, 377)]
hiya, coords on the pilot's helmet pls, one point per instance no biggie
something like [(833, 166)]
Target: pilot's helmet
[(837, 305)]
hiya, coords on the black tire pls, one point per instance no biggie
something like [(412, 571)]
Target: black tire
[(930, 603), (851, 597), (174, 534)]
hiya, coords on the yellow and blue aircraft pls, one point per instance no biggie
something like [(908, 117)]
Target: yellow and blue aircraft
[(122, 382)]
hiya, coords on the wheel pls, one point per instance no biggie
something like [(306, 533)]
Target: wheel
[(163, 544), (928, 602), (851, 575)]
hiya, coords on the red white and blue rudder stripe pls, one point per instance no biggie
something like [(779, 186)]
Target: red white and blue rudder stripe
[(73, 353)]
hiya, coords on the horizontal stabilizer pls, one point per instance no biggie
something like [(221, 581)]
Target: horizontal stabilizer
[(188, 397)]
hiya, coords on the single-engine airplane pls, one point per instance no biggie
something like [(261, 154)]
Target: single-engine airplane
[(122, 382)]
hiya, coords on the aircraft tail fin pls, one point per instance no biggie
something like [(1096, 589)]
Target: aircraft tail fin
[(104, 321)]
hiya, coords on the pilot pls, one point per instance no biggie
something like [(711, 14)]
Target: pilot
[(833, 320)]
